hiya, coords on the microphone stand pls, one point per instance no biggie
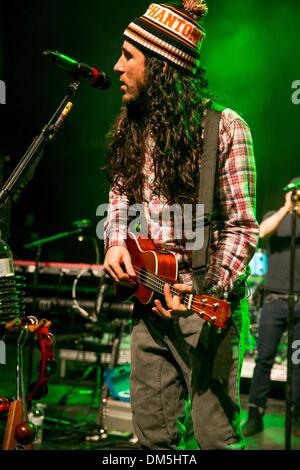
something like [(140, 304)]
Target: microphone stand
[(17, 180), (290, 323)]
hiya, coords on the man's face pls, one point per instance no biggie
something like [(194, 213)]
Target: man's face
[(131, 67)]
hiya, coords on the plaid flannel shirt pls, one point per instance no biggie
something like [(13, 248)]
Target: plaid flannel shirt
[(234, 244)]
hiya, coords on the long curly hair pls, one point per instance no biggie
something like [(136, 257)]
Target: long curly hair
[(170, 110)]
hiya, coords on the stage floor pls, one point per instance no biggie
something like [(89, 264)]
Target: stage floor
[(72, 407)]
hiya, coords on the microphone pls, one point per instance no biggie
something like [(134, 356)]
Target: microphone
[(79, 70), (291, 186)]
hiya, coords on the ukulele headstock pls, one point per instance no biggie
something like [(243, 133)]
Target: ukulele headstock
[(211, 309)]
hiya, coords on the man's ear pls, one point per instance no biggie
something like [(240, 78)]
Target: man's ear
[(166, 66)]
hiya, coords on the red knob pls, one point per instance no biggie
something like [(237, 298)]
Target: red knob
[(25, 432), (4, 406)]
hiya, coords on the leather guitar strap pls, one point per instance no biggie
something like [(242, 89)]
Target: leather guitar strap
[(206, 194)]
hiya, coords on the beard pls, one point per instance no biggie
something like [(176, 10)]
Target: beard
[(138, 107)]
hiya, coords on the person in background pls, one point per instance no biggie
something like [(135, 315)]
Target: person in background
[(276, 227)]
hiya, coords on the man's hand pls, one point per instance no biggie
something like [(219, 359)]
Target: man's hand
[(175, 306), (288, 204), (117, 258)]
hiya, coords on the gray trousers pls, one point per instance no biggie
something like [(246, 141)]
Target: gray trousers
[(173, 360)]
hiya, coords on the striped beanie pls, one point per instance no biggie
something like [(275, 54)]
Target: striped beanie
[(172, 33)]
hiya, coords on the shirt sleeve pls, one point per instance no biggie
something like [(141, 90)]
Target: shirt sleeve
[(115, 227), (235, 200)]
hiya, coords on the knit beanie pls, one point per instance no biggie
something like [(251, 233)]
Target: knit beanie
[(171, 32)]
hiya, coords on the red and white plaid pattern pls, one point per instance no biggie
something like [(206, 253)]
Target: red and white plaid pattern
[(234, 245)]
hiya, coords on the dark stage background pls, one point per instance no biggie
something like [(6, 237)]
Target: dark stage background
[(252, 55)]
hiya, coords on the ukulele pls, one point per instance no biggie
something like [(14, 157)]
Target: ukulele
[(155, 268)]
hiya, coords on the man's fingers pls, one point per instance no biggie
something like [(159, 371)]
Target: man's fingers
[(116, 267), (110, 272), (174, 302), (160, 310), (128, 266), (168, 296), (115, 271), (118, 264), (182, 288), (155, 310)]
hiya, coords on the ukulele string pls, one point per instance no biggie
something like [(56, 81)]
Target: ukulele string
[(156, 283), (153, 281)]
